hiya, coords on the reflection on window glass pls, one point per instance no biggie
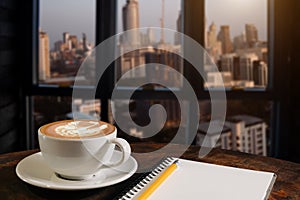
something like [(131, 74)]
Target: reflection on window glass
[(66, 37), (236, 39), (246, 127), (48, 109), (139, 114), (147, 44)]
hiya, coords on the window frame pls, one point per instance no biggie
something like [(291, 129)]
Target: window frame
[(191, 16), (105, 14)]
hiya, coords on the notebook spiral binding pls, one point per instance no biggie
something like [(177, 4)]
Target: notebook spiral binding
[(144, 181)]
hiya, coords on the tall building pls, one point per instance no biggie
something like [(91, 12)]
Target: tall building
[(251, 35), (224, 37), (44, 56), (177, 38), (151, 36), (131, 21), (260, 73), (130, 40), (212, 35), (248, 134), (128, 62), (146, 39), (58, 46), (166, 58), (246, 66), (213, 46), (236, 68), (67, 44), (162, 23), (84, 43), (74, 41), (66, 36), (240, 133), (227, 64), (239, 42)]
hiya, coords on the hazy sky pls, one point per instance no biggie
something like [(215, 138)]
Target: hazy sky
[(78, 16), (73, 16), (237, 13), (150, 13)]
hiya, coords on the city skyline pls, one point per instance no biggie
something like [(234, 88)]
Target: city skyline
[(217, 45), (236, 13), (237, 67), (76, 23), (243, 61), (56, 18)]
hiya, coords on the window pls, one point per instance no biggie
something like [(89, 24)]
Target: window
[(138, 112), (66, 37), (245, 63), (143, 45), (237, 41)]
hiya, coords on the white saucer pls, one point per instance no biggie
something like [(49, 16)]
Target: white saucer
[(33, 170)]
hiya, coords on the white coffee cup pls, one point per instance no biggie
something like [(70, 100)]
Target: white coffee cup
[(79, 149)]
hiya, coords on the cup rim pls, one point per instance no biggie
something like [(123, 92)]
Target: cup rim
[(79, 138)]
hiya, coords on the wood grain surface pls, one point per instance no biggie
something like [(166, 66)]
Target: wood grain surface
[(287, 185)]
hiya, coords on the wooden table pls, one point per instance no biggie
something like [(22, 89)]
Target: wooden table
[(287, 185)]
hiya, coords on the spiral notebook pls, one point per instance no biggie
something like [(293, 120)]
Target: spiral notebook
[(198, 180)]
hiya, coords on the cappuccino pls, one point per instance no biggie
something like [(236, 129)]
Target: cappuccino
[(77, 149), (77, 129)]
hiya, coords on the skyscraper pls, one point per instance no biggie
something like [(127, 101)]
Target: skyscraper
[(44, 57), (162, 22), (213, 46), (179, 29), (224, 37), (260, 73), (167, 58), (239, 41), (66, 41), (236, 68), (131, 40), (251, 34), (131, 21), (151, 36), (84, 43), (212, 35), (227, 62), (66, 36), (74, 41), (246, 66)]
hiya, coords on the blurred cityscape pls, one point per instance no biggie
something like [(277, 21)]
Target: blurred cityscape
[(242, 62), (138, 48), (60, 65)]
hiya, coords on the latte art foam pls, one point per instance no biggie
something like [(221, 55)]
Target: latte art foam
[(77, 129), (82, 129)]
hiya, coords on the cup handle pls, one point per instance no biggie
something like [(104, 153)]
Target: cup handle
[(125, 149)]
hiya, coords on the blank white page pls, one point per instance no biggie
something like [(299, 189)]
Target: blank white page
[(198, 180)]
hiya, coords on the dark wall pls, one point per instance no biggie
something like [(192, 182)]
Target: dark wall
[(295, 84), (287, 80), (9, 77)]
